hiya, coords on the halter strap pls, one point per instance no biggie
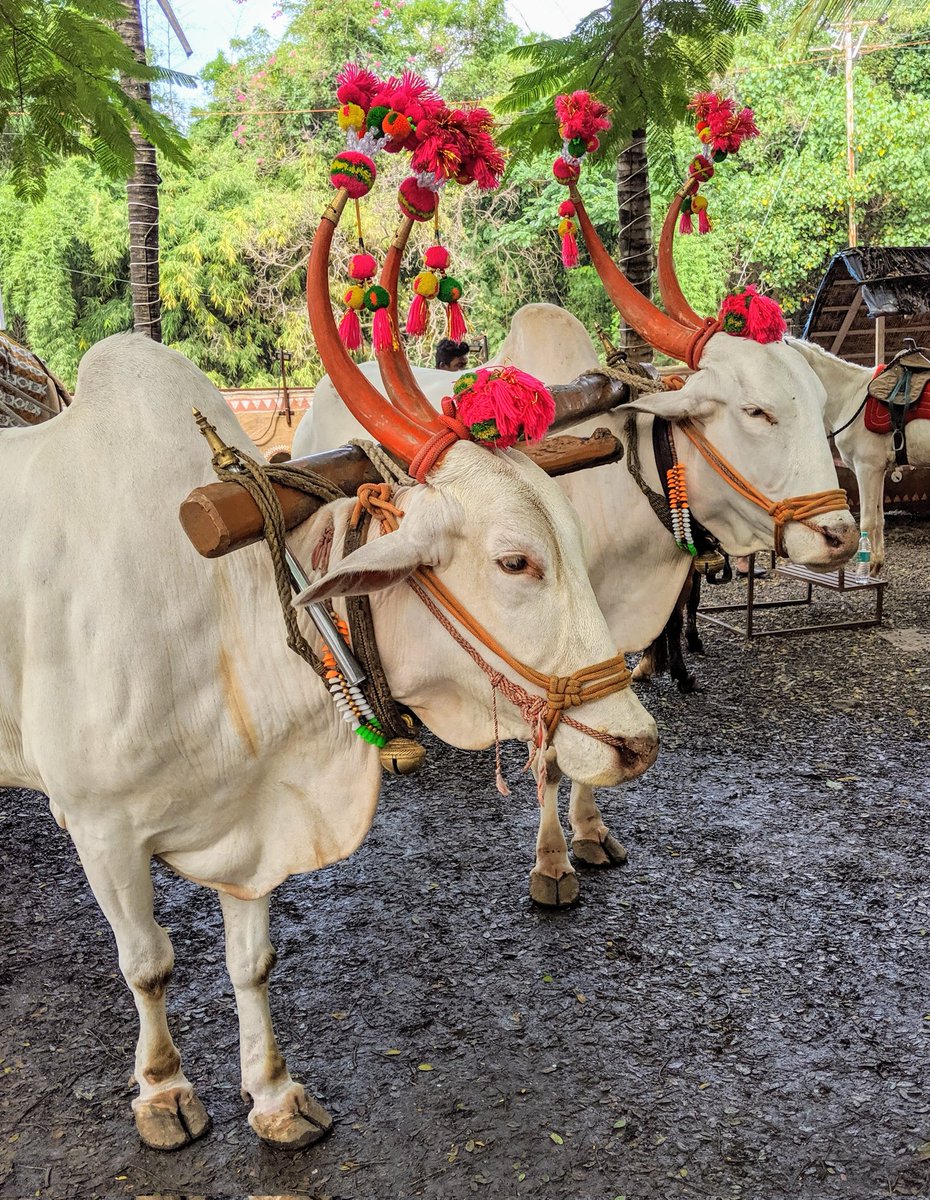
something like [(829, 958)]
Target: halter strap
[(794, 508), (561, 691)]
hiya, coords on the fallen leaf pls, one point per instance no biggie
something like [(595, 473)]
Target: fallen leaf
[(392, 1052), (620, 1123), (453, 1153), (338, 1015), (558, 1140), (425, 1067), (923, 1152), (579, 996), (547, 978)]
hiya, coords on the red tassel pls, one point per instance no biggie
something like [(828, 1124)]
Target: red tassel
[(417, 317), (703, 221), (569, 250), (350, 330), (685, 225), (382, 335), (455, 322)]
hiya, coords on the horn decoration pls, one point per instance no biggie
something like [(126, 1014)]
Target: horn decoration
[(398, 432)]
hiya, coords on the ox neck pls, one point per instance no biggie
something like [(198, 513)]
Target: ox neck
[(845, 385)]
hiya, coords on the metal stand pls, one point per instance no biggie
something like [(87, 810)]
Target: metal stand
[(835, 581)]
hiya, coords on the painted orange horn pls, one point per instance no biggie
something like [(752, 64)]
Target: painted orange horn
[(658, 328), (396, 372), (669, 288), (399, 433)]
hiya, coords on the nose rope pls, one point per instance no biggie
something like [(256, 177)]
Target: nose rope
[(561, 692), (795, 508)]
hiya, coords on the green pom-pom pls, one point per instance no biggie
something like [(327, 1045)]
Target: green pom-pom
[(375, 119), (577, 147), (484, 431), (686, 204), (376, 297), (450, 290), (719, 155), (734, 322), (464, 383)]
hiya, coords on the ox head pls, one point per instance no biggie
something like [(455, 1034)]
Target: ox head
[(502, 537), (760, 405)]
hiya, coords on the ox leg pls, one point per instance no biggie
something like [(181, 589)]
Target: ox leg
[(282, 1113), (692, 633), (592, 841), (167, 1110), (553, 881)]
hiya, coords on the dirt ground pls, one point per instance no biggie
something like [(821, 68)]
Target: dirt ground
[(743, 1011)]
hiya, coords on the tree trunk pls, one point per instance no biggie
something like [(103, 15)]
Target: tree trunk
[(142, 194), (634, 245)]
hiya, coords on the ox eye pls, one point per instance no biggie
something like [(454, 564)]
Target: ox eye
[(514, 564), (760, 413)]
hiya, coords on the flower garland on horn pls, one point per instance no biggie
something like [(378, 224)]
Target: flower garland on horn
[(581, 118), (721, 128), (454, 144)]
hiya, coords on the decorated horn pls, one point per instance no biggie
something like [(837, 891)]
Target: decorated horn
[(669, 288), (396, 373), (660, 330), (395, 430)]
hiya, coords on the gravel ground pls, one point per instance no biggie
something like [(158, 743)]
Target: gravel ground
[(742, 1011)]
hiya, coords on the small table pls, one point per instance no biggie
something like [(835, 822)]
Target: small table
[(834, 581)]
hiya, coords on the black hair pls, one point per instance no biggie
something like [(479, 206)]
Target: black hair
[(447, 350)]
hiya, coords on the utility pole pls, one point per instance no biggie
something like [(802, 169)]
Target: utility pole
[(850, 121)]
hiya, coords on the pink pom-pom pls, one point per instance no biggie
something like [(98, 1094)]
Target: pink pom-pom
[(382, 335), (703, 221), (416, 201), (569, 250), (362, 266), (353, 171), (436, 258), (350, 330), (417, 317), (565, 172), (750, 315), (455, 321), (501, 405), (685, 225), (356, 85), (566, 209)]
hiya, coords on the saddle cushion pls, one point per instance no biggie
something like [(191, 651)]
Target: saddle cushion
[(878, 414)]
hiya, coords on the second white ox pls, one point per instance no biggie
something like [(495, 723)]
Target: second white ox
[(760, 406)]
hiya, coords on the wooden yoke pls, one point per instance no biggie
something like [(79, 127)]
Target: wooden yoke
[(221, 517)]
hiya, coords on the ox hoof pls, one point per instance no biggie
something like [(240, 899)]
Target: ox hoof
[(608, 852), (171, 1119), (554, 893), (298, 1124)]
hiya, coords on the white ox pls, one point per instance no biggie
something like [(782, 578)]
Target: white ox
[(867, 454), (759, 405), (151, 695)]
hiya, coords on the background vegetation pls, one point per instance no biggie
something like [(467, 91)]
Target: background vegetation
[(237, 222)]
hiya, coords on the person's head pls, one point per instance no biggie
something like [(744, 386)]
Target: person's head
[(452, 356)]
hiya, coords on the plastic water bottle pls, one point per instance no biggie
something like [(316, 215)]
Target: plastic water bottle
[(863, 554)]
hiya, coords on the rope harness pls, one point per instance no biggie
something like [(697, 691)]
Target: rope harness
[(794, 508), (561, 692)]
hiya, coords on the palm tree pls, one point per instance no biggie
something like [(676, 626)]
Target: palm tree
[(645, 58)]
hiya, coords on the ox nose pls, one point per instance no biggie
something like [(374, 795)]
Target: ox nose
[(840, 535), (637, 754)]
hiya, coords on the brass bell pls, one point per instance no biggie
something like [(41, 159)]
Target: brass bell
[(708, 563), (402, 756)]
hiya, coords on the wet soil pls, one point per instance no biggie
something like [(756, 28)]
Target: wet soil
[(742, 1011)]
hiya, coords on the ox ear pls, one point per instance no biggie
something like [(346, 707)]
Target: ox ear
[(685, 404), (370, 568)]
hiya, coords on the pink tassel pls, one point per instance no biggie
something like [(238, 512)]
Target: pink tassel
[(685, 225), (513, 403), (703, 221), (350, 330), (417, 317), (457, 329), (569, 250), (382, 335)]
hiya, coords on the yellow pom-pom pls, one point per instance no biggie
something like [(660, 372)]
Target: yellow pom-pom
[(354, 298), (426, 285), (351, 116), (566, 225), (706, 134), (698, 203)]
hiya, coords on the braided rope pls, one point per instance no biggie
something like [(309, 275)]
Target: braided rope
[(389, 470)]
